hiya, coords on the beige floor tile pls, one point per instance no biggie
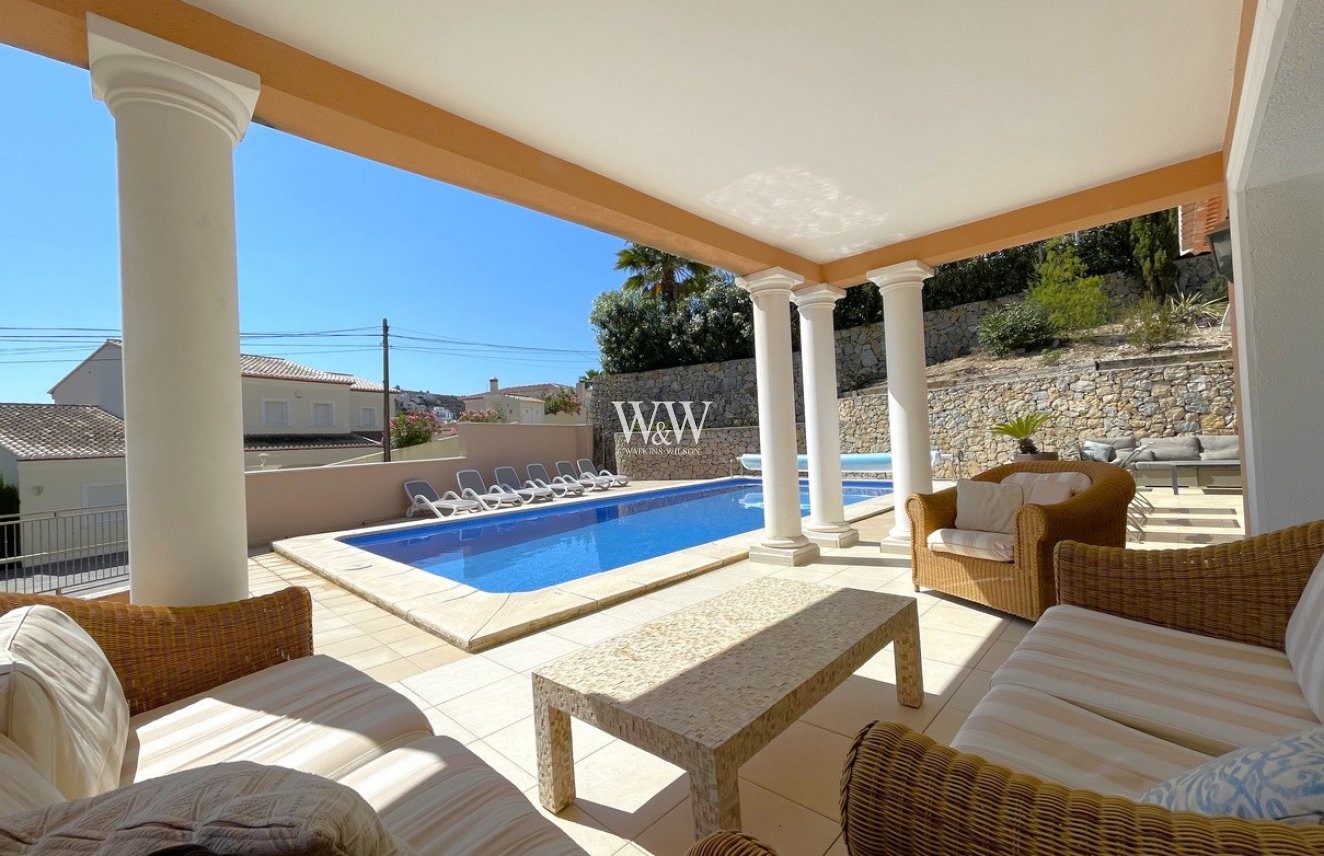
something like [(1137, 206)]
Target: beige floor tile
[(517, 743), (504, 767), (418, 642), (493, 707), (373, 657), (783, 825), (383, 622), (997, 653), (585, 830), (627, 789), (592, 629), (642, 609), (838, 847), (859, 701), (531, 651), (1015, 630), (945, 725), (395, 670), (352, 645), (962, 649), (804, 765), (323, 637), (964, 619), (399, 631), (456, 679), (971, 691), (444, 726), (439, 655)]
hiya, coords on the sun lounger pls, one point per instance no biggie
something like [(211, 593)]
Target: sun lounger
[(559, 485), (507, 479), (586, 468), (423, 497), (567, 471), (473, 487)]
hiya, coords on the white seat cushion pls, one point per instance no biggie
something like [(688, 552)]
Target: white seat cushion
[(994, 546), (22, 786), (1305, 641), (438, 797), (313, 714), (987, 506), (60, 701), (1207, 694), (1032, 732)]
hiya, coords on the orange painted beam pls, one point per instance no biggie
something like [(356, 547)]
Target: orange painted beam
[(319, 101), (1151, 191), (1247, 27)]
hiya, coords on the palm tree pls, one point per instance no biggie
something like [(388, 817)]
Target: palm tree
[(663, 275)]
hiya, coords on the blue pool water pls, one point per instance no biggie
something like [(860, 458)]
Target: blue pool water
[(550, 544)]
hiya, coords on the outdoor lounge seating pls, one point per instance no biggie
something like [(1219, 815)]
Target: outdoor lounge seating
[(214, 685), (1012, 570), (566, 470), (424, 497), (586, 468), (560, 485), (1155, 663), (507, 479), (473, 487), (1168, 455)]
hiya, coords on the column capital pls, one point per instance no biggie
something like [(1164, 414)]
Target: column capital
[(909, 274), (817, 294), (770, 281), (130, 66)]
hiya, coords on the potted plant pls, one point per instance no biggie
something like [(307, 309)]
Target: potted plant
[(1021, 429)]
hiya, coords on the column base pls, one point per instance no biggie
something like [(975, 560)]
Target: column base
[(898, 537), (790, 556), (843, 536)]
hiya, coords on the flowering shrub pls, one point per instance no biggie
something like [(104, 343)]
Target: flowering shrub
[(488, 415), (413, 428), (562, 401)]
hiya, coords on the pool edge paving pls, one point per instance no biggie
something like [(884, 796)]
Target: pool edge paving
[(475, 620)]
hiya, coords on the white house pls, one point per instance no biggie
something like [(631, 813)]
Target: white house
[(525, 404)]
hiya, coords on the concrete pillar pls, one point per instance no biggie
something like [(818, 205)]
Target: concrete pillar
[(783, 541), (907, 387), (818, 365), (178, 116)]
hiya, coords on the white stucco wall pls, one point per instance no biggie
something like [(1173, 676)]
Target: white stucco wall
[(58, 485), (360, 400), (1276, 199), (99, 381), (300, 396)]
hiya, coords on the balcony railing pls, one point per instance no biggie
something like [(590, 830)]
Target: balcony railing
[(66, 551)]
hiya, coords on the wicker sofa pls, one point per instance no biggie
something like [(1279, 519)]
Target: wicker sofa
[(905, 795), (210, 686), (1023, 586)]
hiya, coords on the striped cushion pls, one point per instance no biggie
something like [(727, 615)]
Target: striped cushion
[(438, 797), (1032, 732), (1305, 641), (994, 546), (1207, 694), (313, 714)]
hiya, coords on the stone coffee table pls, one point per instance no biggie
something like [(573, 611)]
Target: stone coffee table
[(709, 686)]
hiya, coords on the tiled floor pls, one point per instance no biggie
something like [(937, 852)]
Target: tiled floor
[(631, 803)]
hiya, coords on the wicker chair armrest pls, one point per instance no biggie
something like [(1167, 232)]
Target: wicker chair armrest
[(904, 795), (730, 844), (930, 512), (1244, 591), (162, 654)]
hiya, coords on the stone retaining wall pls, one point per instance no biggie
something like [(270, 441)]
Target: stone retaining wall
[(1149, 401)]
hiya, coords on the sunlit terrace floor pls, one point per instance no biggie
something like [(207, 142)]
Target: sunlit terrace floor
[(630, 802)]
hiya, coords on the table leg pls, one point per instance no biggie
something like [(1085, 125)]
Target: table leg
[(556, 759), (1176, 485), (715, 795), (909, 675)]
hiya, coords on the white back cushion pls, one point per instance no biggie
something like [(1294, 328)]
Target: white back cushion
[(987, 506), (61, 702), (1305, 641), (22, 786), (1040, 482)]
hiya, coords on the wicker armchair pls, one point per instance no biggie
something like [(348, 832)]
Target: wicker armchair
[(1023, 587), (904, 795), (162, 654)]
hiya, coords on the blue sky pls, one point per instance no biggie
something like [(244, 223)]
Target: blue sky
[(327, 241)]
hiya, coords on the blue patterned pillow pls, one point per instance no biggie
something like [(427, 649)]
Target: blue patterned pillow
[(1283, 780)]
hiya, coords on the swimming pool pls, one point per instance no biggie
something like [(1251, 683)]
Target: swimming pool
[(544, 546)]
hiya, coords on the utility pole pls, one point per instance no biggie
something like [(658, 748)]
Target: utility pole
[(388, 412)]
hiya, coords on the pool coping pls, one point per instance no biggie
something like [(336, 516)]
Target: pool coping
[(475, 620)]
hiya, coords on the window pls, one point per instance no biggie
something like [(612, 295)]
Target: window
[(275, 412), (367, 417), (324, 414)]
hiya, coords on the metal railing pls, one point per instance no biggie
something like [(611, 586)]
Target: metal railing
[(64, 551)]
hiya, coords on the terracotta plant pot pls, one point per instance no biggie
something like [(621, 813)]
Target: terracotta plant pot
[(1037, 456)]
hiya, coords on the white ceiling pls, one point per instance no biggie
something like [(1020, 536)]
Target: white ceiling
[(825, 128)]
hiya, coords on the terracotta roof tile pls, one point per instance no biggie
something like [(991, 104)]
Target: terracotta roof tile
[(34, 432), (286, 442)]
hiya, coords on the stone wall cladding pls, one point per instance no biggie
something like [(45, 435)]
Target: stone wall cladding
[(1148, 401), (714, 456)]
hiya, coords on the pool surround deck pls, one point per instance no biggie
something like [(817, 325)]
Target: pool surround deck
[(475, 620)]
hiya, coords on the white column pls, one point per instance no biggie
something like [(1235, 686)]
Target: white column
[(907, 387), (783, 541), (178, 116), (818, 365)]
